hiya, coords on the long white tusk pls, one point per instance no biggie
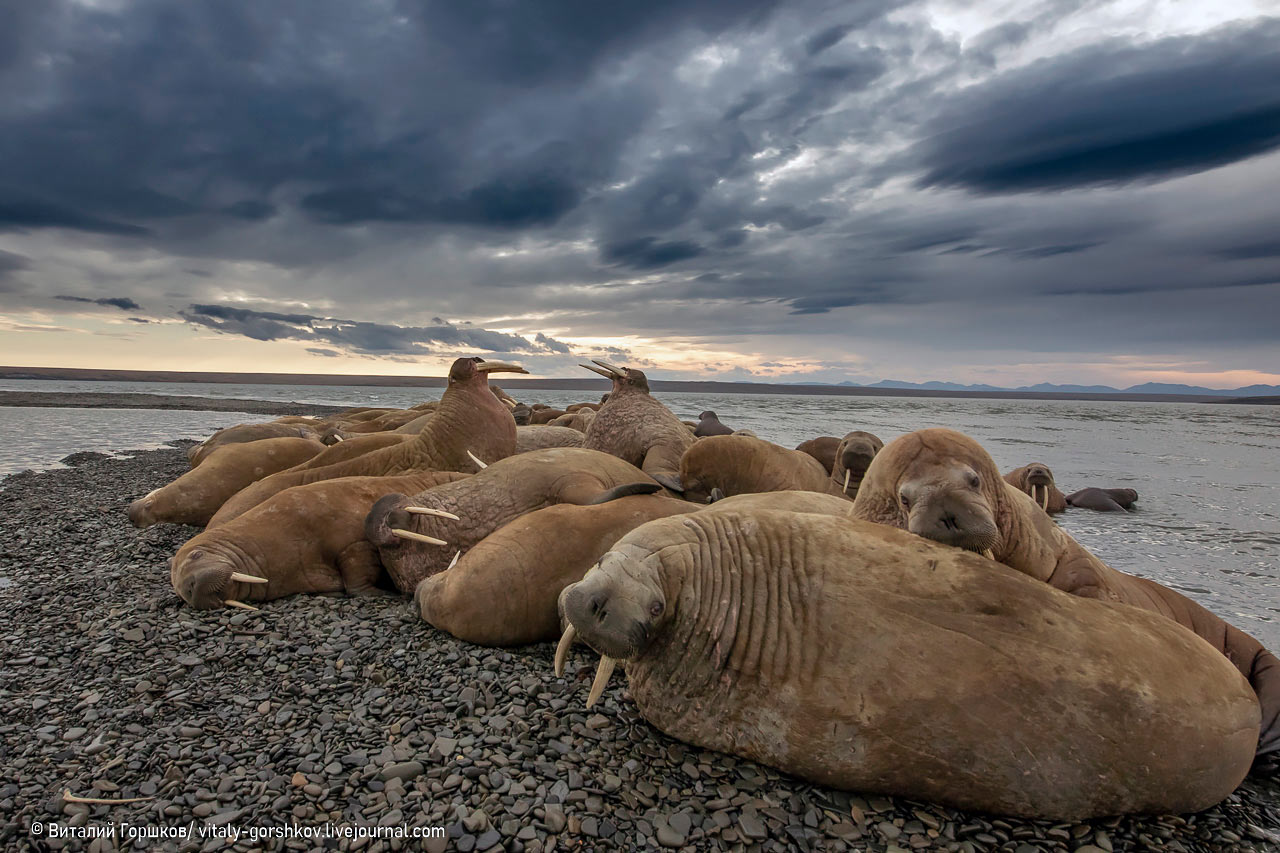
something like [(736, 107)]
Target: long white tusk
[(416, 537), (338, 438), (606, 374), (1044, 504), (454, 561), (989, 554), (846, 481), (426, 510), (562, 648), (239, 604), (611, 367), (602, 679), (476, 459), (243, 578)]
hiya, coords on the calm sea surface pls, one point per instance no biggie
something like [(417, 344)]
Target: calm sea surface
[(1207, 522)]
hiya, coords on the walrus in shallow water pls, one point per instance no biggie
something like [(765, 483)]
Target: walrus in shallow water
[(1103, 500), (503, 491), (858, 656), (305, 539), (943, 485), (194, 497), (470, 423), (633, 426), (1036, 480), (823, 448), (709, 424), (503, 591), (853, 456), (739, 464)]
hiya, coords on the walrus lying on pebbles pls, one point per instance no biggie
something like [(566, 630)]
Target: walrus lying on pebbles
[(503, 591), (469, 423), (194, 497), (943, 485), (305, 539), (1036, 480), (633, 426), (853, 456), (738, 464), (858, 656), (408, 540), (823, 448), (709, 424), (1103, 500), (241, 433)]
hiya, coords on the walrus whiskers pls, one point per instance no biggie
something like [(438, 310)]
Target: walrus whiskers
[(243, 578), (239, 604), (426, 510), (417, 537), (562, 648), (603, 671), (476, 459)]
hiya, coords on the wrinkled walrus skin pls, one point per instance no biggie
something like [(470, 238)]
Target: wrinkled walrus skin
[(305, 539), (541, 437), (194, 497), (637, 428), (241, 433), (503, 591), (861, 657), (739, 464), (505, 490), (469, 418), (1036, 480), (941, 484)]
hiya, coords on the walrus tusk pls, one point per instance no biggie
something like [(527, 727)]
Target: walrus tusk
[(500, 367), (243, 578), (989, 554), (454, 561), (476, 459), (426, 510), (602, 679), (606, 374), (846, 481), (68, 797), (416, 537), (239, 604), (562, 648), (1045, 503), (610, 367)]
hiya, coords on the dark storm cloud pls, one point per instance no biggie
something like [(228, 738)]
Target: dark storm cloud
[(122, 302), (647, 253), (1113, 114), (359, 336)]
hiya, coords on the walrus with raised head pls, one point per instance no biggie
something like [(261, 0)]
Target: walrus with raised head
[(853, 456), (1036, 480), (1103, 500), (739, 464), (709, 424), (942, 485), (470, 423), (858, 656), (633, 426), (194, 497), (503, 491), (304, 539)]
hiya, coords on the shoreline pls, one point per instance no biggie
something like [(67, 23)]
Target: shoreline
[(130, 400), (354, 711)]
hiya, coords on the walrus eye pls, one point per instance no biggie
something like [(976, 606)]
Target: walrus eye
[(974, 482), (655, 609), (906, 501)]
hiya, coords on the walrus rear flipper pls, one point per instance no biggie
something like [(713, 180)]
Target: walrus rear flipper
[(671, 481), (625, 491), (1264, 677)]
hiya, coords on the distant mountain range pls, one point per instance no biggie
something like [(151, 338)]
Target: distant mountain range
[(1050, 388)]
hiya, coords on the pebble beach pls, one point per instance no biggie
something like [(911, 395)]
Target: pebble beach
[(351, 713)]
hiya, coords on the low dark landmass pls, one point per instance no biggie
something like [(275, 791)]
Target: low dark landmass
[(80, 400), (352, 710)]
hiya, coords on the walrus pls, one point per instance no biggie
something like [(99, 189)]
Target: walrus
[(503, 491), (503, 591), (194, 497), (709, 424), (240, 433), (469, 424), (823, 448), (521, 414), (737, 464), (1036, 480), (304, 539), (633, 426), (1103, 500), (853, 456), (578, 407), (356, 445), (579, 420), (854, 655), (942, 485), (540, 437), (545, 416)]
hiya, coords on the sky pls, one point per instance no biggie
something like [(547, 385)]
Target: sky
[(1004, 192)]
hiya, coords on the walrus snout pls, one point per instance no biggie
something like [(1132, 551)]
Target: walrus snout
[(385, 515), (952, 518), (140, 513), (209, 581), (611, 618), (1039, 475)]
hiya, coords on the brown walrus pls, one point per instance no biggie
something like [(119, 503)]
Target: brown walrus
[(241, 433), (350, 448), (633, 426), (541, 437), (1036, 480), (305, 539), (470, 423), (857, 656), (503, 591), (545, 416), (194, 497), (853, 456), (823, 448), (943, 485), (709, 424), (738, 464), (579, 420), (505, 490), (1103, 500)]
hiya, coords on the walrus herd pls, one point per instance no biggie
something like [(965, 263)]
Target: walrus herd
[(889, 618)]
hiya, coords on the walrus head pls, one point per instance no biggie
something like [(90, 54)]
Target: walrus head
[(936, 483), (207, 577), (1037, 481), (140, 510), (470, 367), (853, 457), (624, 378), (616, 609)]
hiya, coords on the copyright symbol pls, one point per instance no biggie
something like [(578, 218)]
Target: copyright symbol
[(37, 829)]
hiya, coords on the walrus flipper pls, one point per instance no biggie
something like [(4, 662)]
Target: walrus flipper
[(662, 463), (1264, 677), (625, 490)]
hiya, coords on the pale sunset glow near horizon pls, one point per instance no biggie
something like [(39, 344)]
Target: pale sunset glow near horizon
[(1004, 194)]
